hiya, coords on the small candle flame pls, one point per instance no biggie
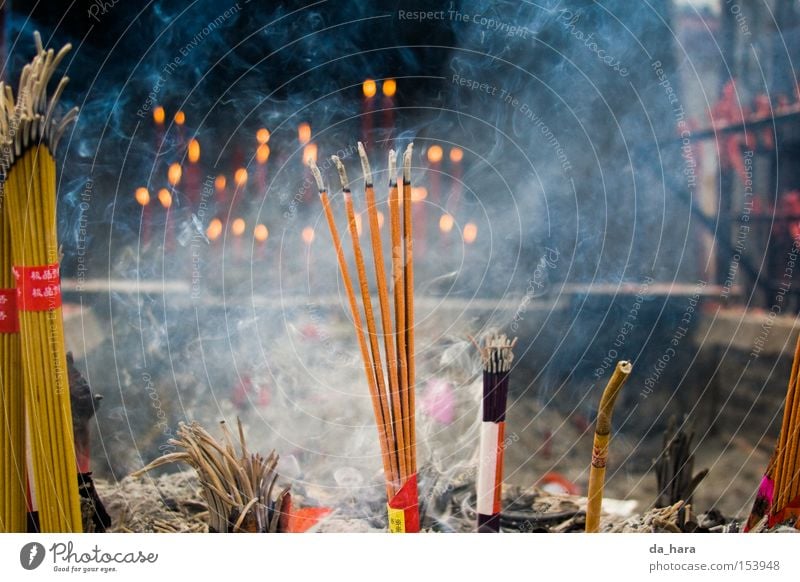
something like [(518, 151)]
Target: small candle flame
[(142, 196)]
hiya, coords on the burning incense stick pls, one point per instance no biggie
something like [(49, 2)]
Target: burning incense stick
[(395, 437), (31, 198), (12, 398), (393, 395), (398, 284), (408, 273), (379, 406), (398, 412), (602, 436), (497, 356)]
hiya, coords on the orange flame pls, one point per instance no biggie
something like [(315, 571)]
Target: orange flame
[(304, 133), (214, 229), (310, 153), (174, 174), (159, 115), (240, 177), (220, 182), (419, 194), (238, 226), (470, 233), (446, 223), (194, 151), (142, 196), (180, 118), (389, 87), (262, 135), (261, 233), (262, 153), (308, 235), (370, 88), (435, 154), (456, 155), (165, 198)]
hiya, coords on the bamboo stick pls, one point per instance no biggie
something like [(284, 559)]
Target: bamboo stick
[(602, 436)]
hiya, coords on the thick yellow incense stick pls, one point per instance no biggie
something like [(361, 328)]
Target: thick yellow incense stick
[(33, 132), (12, 402), (602, 435)]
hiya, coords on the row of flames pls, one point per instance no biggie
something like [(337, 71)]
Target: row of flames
[(238, 226)]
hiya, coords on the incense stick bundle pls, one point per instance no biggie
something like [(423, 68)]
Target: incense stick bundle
[(778, 495), (602, 436), (497, 355), (31, 132), (392, 388), (12, 401)]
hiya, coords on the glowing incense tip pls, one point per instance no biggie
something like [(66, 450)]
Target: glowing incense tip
[(392, 167), (312, 165), (342, 172), (407, 163), (362, 153)]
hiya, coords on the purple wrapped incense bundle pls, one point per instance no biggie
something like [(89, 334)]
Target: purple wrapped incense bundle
[(497, 355)]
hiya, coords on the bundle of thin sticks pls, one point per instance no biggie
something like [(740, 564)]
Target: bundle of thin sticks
[(392, 389), (30, 130), (778, 496), (602, 437), (12, 398), (497, 355), (238, 487)]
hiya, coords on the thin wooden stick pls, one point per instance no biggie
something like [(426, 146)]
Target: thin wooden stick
[(394, 443), (408, 273), (602, 436), (398, 413), (379, 407), (399, 298)]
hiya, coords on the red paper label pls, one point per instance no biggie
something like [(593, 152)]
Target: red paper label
[(406, 501), (9, 321), (38, 288)]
